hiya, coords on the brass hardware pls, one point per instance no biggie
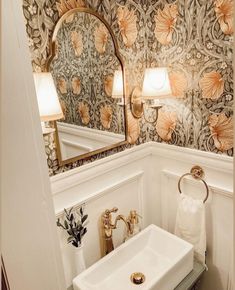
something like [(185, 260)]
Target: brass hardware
[(137, 278), (156, 108), (126, 222), (133, 220), (197, 173), (137, 106), (133, 217), (108, 226)]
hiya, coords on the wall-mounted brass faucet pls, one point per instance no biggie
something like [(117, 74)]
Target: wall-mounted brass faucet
[(108, 226)]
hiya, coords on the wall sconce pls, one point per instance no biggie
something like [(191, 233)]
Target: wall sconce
[(156, 85), (48, 102), (117, 91)]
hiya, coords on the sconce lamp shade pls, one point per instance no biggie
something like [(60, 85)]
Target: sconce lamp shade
[(156, 84), (117, 91), (48, 102)]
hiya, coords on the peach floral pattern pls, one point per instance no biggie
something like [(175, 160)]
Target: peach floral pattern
[(106, 115), (178, 83), (221, 128), (212, 85), (83, 111), (108, 85), (76, 86), (62, 85), (224, 13), (133, 129), (166, 123), (165, 23), (101, 38), (65, 5), (127, 25), (76, 39), (209, 21)]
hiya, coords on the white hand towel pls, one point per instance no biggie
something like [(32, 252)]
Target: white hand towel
[(190, 224)]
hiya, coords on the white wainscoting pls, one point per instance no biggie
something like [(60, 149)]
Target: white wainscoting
[(145, 178)]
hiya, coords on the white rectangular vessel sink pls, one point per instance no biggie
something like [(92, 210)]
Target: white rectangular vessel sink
[(161, 257)]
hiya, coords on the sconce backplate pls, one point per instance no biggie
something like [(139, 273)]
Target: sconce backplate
[(137, 105)]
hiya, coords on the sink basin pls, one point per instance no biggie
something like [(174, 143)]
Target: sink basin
[(161, 257)]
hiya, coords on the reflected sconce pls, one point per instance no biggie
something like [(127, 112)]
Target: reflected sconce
[(117, 90), (48, 102), (156, 85)]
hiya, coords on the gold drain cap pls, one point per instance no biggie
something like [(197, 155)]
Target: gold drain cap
[(137, 278)]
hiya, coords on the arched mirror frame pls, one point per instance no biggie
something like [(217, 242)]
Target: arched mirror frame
[(117, 54)]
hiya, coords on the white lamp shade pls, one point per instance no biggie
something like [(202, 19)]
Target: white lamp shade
[(156, 83), (48, 102), (117, 91)]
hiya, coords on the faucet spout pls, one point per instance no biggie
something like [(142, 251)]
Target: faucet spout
[(127, 223), (107, 227)]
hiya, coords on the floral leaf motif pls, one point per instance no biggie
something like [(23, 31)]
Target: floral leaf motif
[(212, 85), (178, 83), (127, 25), (165, 23), (106, 115), (221, 129), (224, 14), (133, 129), (83, 111), (62, 85), (108, 85), (74, 225), (76, 86), (76, 38), (65, 5), (166, 123), (101, 38)]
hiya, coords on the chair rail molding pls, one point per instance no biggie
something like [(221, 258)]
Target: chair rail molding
[(76, 176)]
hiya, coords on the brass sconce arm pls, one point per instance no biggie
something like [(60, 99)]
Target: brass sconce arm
[(138, 106), (156, 85), (156, 108)]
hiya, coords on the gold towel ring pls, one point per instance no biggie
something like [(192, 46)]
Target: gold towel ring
[(198, 173)]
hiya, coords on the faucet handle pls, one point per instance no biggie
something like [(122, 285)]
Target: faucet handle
[(109, 211), (107, 218), (134, 217)]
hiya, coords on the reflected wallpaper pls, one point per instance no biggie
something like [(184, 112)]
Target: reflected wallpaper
[(193, 38), (84, 68)]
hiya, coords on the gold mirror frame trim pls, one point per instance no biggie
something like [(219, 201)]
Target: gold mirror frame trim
[(116, 50)]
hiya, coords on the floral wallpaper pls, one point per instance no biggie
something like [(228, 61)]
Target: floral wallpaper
[(193, 38), (84, 68)]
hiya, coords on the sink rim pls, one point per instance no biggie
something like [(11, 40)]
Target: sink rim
[(188, 247)]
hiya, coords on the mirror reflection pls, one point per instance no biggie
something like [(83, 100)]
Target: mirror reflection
[(88, 75)]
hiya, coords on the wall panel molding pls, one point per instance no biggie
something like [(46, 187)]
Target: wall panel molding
[(112, 187)]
